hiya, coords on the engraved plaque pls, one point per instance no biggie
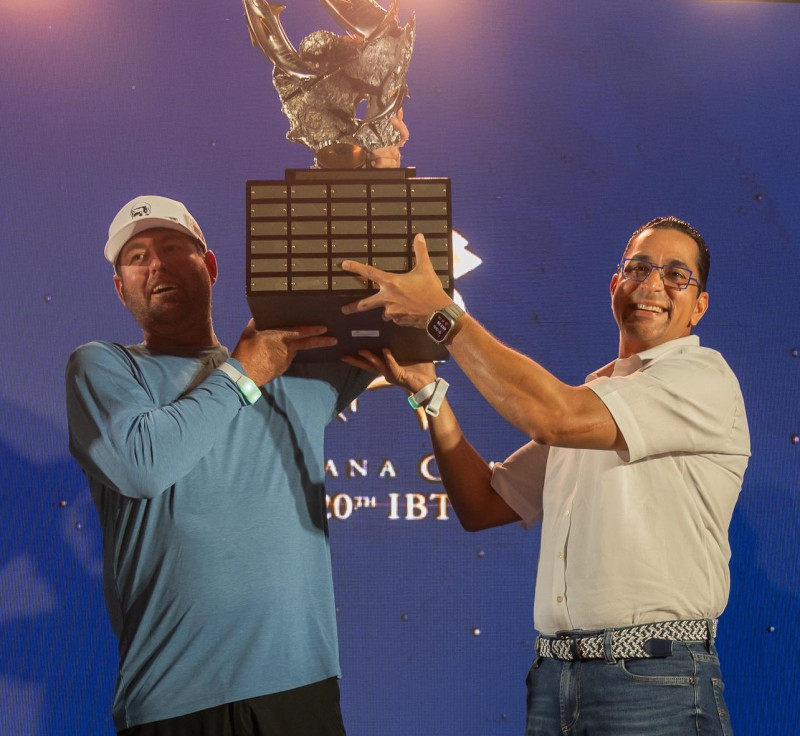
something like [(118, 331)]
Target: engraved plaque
[(300, 230)]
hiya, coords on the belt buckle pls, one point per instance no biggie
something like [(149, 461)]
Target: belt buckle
[(572, 639), (657, 648), (575, 637)]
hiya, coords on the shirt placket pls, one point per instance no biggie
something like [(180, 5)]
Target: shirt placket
[(559, 592)]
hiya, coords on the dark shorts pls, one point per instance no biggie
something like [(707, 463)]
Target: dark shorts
[(311, 710)]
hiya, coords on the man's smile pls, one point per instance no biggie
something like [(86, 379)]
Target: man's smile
[(162, 289), (649, 308)]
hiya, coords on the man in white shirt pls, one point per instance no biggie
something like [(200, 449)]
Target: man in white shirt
[(633, 475)]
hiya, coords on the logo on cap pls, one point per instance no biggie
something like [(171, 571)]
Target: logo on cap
[(140, 210)]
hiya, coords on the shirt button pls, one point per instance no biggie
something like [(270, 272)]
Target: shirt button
[(567, 512), (559, 599), (560, 555)]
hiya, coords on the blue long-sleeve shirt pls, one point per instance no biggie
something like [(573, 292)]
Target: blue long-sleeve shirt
[(216, 563)]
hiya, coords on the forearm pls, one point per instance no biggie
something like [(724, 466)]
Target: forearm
[(523, 392), (144, 454), (122, 437), (466, 476), (528, 396)]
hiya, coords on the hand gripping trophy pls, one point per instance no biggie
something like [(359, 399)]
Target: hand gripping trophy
[(324, 84)]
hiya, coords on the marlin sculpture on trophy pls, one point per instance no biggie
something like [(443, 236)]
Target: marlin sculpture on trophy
[(340, 93), (323, 86)]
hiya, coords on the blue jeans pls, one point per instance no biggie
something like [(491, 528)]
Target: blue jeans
[(679, 695)]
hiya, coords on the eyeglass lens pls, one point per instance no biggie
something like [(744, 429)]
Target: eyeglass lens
[(640, 271)]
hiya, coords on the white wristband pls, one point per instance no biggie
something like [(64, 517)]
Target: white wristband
[(433, 393), (438, 397)]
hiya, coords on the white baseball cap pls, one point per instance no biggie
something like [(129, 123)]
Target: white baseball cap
[(145, 213)]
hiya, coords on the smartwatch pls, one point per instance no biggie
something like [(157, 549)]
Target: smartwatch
[(441, 323), (247, 388)]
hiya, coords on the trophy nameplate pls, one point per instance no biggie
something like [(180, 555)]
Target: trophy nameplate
[(300, 229)]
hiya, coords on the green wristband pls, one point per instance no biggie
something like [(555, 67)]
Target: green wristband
[(247, 388)]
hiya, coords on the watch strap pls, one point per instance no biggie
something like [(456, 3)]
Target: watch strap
[(453, 311)]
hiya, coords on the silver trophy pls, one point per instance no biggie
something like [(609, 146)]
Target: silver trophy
[(324, 84), (301, 227)]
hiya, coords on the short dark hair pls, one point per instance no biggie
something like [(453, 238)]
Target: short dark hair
[(675, 223)]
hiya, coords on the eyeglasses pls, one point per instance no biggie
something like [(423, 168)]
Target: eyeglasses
[(632, 269)]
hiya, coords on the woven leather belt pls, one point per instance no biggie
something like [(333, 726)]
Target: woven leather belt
[(632, 642)]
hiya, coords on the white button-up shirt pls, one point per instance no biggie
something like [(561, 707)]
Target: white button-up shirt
[(639, 536)]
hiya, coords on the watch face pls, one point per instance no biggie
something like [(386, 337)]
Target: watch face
[(439, 326)]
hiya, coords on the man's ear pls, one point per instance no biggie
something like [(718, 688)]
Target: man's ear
[(120, 289), (211, 265), (700, 308), (614, 280)]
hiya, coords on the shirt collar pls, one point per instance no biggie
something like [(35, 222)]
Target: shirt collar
[(633, 363)]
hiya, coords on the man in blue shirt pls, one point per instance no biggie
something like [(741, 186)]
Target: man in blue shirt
[(206, 466)]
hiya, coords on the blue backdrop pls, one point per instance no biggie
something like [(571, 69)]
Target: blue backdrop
[(563, 125)]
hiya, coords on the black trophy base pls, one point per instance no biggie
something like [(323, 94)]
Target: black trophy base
[(362, 331), (300, 229)]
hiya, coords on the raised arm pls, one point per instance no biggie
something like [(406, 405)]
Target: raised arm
[(123, 436), (133, 441), (522, 391), (465, 475)]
